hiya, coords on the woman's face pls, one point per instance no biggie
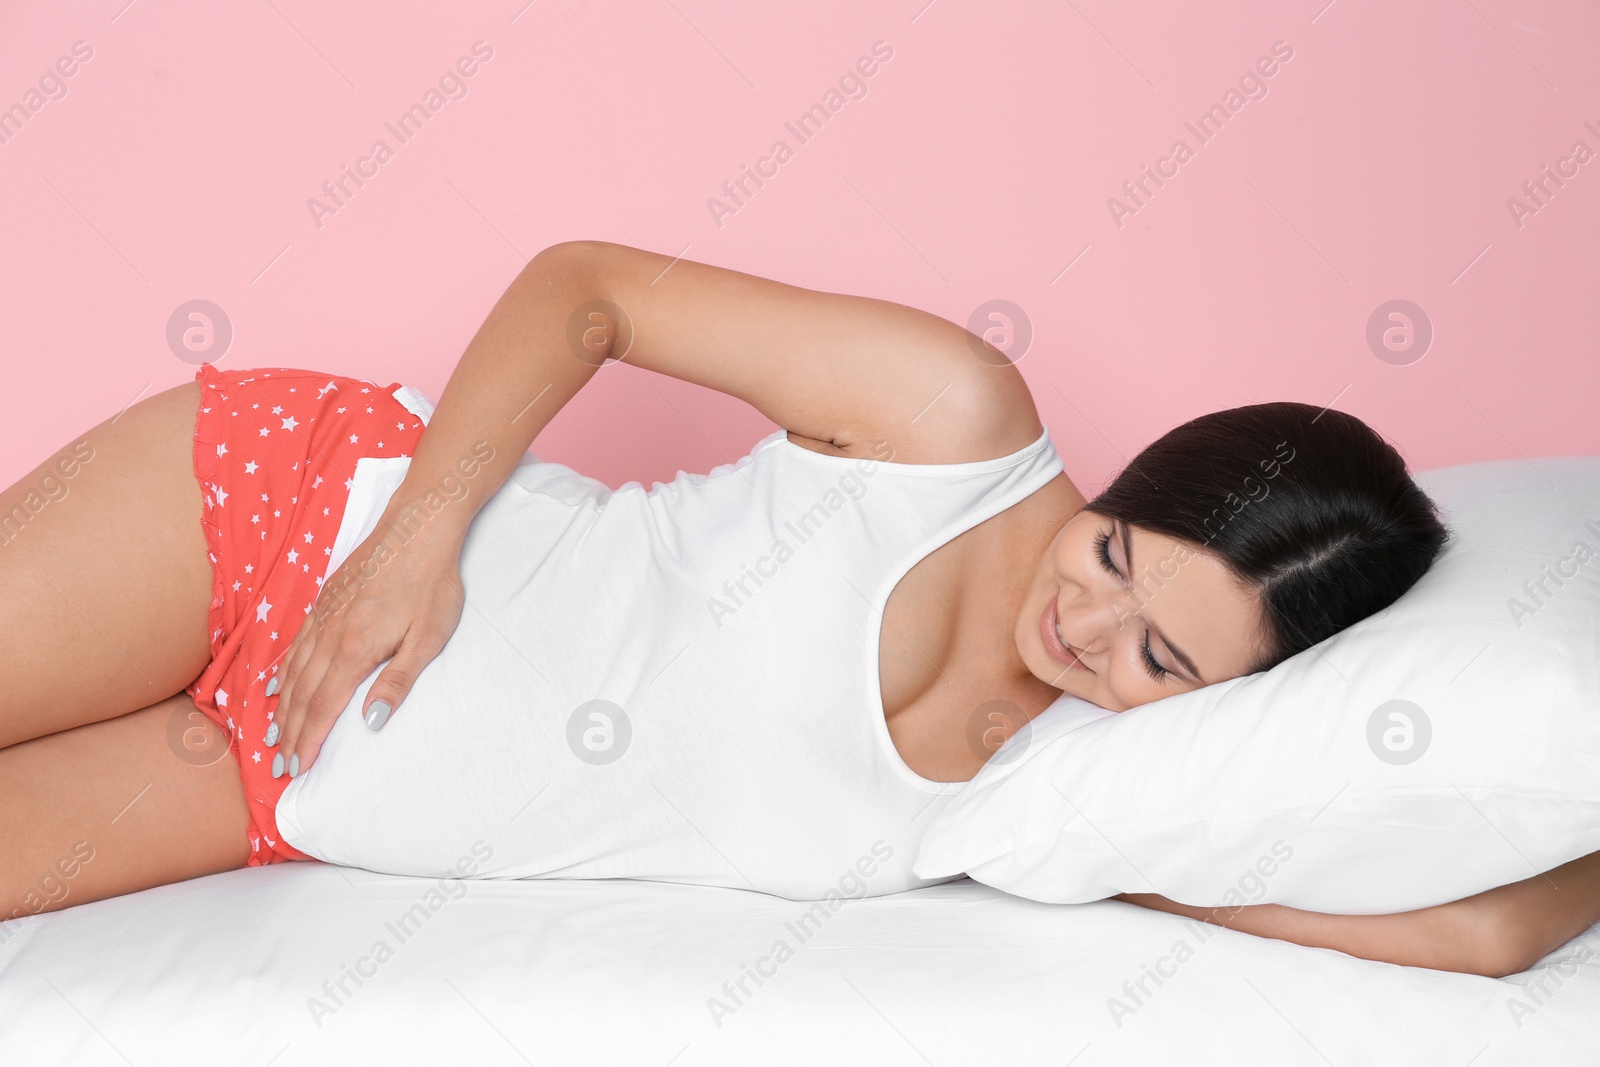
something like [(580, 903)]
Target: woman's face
[(1141, 616)]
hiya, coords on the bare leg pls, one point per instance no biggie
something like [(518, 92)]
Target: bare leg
[(113, 807), (105, 582)]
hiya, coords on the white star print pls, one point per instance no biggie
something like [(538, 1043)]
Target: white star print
[(271, 519), (222, 701), (222, 450)]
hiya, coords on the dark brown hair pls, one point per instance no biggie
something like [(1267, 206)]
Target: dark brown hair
[(1309, 507)]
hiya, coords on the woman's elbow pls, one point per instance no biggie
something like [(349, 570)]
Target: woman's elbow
[(1485, 935), (1502, 944), (1504, 960)]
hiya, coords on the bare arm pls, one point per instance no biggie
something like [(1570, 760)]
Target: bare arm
[(844, 372), (1495, 933), (514, 376)]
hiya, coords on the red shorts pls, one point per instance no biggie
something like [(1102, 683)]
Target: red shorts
[(275, 450)]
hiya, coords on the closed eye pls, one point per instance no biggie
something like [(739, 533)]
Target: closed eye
[(1155, 669), (1102, 548), (1102, 544)]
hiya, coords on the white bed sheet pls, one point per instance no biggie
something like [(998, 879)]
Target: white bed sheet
[(220, 970)]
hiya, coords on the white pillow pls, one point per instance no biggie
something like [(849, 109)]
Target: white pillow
[(1440, 748)]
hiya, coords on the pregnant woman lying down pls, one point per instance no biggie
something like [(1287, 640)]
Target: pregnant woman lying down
[(214, 604)]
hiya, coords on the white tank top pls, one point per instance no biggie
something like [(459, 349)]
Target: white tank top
[(678, 684)]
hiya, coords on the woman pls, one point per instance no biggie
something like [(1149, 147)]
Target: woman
[(913, 469)]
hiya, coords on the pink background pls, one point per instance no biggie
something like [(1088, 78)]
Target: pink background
[(978, 166)]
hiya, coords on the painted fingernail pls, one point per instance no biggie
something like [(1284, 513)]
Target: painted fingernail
[(272, 734), (294, 765), (377, 715), (272, 685), (277, 765)]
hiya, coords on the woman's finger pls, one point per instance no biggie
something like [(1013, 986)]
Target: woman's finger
[(290, 671), (416, 651), (305, 684), (289, 665), (323, 706)]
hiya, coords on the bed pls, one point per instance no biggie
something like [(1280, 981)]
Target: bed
[(246, 968)]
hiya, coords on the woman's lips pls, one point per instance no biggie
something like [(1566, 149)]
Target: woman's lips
[(1052, 644)]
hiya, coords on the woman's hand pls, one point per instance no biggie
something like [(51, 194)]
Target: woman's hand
[(393, 598)]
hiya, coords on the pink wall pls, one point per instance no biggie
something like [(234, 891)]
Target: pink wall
[(1377, 166)]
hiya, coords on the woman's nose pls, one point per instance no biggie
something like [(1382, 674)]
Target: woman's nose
[(1085, 623)]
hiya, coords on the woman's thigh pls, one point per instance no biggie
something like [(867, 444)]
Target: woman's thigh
[(105, 580), (113, 807)]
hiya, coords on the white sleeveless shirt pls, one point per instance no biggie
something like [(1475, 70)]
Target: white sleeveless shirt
[(677, 684)]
